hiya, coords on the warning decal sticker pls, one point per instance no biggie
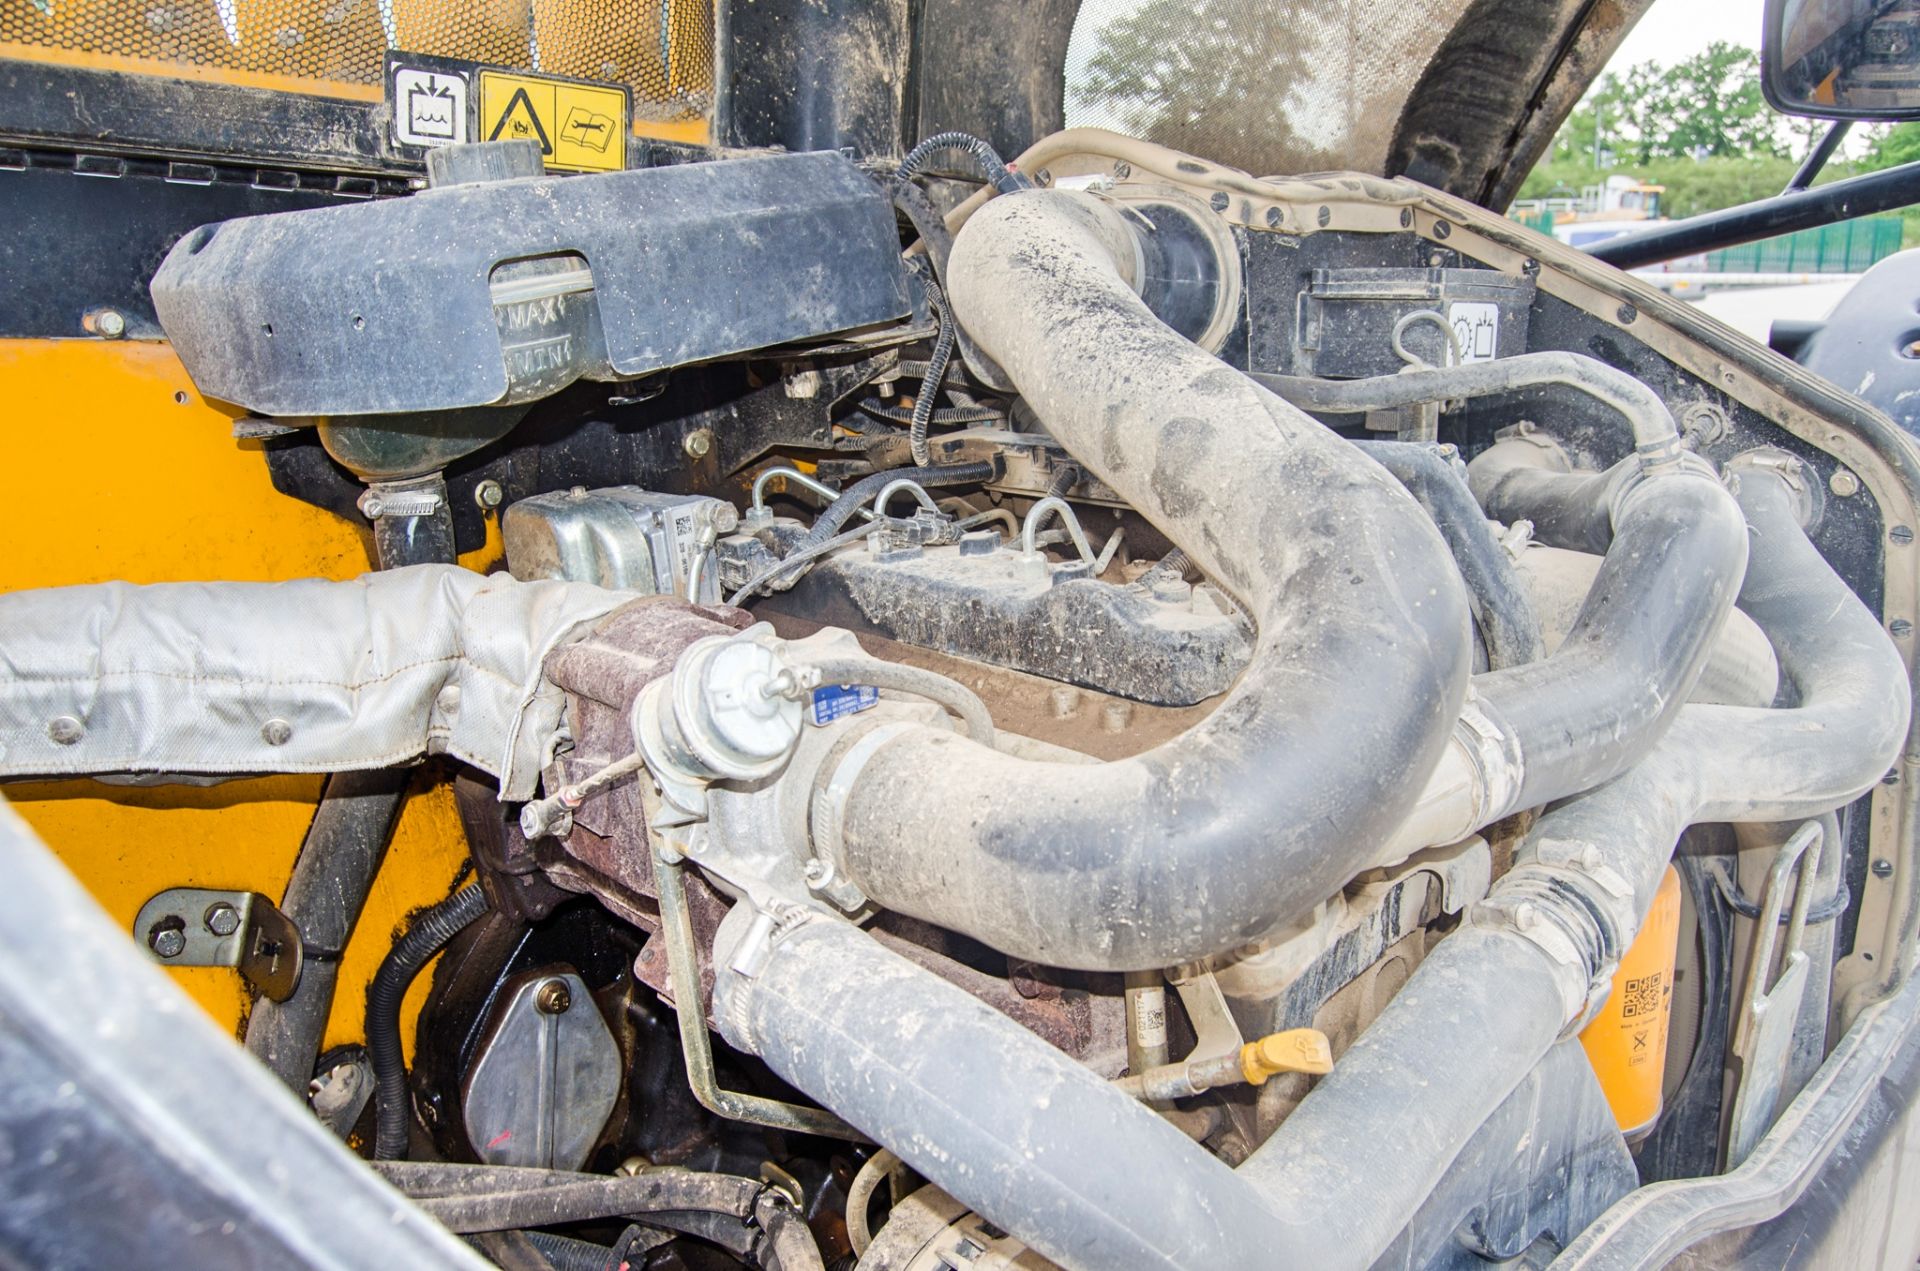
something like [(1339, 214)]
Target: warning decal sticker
[(429, 100), (580, 127)]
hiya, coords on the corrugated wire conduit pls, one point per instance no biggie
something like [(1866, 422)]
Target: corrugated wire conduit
[(1145, 863)]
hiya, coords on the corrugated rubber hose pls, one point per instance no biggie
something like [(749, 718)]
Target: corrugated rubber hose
[(428, 934)]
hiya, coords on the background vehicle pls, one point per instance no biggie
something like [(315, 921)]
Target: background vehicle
[(720, 643)]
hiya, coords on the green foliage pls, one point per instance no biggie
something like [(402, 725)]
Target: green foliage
[(1702, 130), (1708, 106), (1900, 145), (1693, 185)]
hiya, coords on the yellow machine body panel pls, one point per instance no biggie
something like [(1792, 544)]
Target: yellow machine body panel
[(169, 495)]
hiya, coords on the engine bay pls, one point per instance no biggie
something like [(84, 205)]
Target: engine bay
[(1116, 714)]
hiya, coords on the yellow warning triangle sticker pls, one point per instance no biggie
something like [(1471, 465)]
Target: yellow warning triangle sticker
[(519, 121)]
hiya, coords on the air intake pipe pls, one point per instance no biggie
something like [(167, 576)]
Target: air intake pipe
[(1490, 999), (1254, 815)]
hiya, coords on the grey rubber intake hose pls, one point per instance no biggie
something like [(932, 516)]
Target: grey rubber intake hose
[(1491, 998), (1259, 812), (1001, 1120), (1676, 549)]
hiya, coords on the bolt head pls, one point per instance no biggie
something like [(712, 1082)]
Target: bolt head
[(1843, 483), (222, 919), (110, 323), (488, 495), (698, 443), (554, 998), (276, 732), (1883, 868), (168, 942), (816, 873), (65, 730)]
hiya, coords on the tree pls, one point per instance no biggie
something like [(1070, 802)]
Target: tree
[(1900, 145), (1706, 106), (1714, 107), (1200, 78)]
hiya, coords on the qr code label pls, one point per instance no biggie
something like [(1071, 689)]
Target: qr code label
[(1642, 996)]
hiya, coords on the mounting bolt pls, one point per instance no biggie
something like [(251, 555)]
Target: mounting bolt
[(488, 495), (816, 873), (554, 998), (222, 919), (167, 941), (1901, 534), (110, 323), (698, 443), (1882, 868), (1843, 483)]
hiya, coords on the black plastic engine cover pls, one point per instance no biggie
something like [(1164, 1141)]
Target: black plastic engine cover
[(388, 307)]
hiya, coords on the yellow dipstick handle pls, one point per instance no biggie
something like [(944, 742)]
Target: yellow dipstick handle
[(1296, 1050)]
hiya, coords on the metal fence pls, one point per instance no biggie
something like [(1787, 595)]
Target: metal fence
[(1847, 248)]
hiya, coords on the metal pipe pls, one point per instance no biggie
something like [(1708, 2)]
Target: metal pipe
[(1817, 157), (1036, 517), (683, 973), (1656, 439), (1207, 841), (1837, 201), (892, 488), (337, 865), (799, 478)]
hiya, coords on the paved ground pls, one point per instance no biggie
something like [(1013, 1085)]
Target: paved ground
[(1752, 311)]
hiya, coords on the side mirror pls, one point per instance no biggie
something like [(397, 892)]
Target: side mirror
[(1842, 59)]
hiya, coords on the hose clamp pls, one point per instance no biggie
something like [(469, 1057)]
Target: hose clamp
[(826, 816), (1499, 766), (1631, 481), (1555, 909)]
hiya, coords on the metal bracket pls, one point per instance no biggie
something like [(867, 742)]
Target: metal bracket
[(199, 926), (683, 972), (1216, 1032), (1764, 1033)]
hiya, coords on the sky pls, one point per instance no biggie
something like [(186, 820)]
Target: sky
[(1675, 30)]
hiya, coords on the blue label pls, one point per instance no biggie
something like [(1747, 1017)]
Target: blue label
[(831, 701)]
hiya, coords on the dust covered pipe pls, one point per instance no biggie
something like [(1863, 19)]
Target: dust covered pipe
[(995, 1116), (1490, 999), (1253, 816)]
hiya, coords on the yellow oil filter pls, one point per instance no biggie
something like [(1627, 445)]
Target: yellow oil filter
[(1627, 1041)]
